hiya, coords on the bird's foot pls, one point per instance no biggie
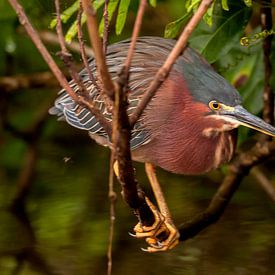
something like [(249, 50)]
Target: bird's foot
[(162, 235)]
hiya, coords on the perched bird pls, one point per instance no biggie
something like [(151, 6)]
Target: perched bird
[(189, 126)]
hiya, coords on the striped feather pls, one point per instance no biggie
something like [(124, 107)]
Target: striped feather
[(149, 56)]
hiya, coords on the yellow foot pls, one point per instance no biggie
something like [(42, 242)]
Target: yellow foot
[(161, 235)]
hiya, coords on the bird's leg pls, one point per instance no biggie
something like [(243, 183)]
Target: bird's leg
[(143, 231), (166, 236), (162, 235)]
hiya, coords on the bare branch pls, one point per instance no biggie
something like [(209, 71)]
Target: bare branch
[(85, 60), (113, 198), (106, 26), (264, 182), (121, 137), (268, 110), (135, 33), (36, 80), (52, 38), (238, 169), (84, 98), (41, 48), (98, 50), (165, 69), (54, 68)]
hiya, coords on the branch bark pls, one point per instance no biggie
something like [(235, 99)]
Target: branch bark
[(54, 68), (268, 95), (37, 80), (238, 169), (165, 69), (135, 34), (52, 38), (264, 182), (98, 49)]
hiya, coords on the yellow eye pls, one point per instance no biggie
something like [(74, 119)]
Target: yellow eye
[(214, 105)]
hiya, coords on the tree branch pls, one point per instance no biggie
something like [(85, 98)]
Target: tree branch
[(264, 182), (52, 38), (238, 169), (98, 49), (135, 33), (266, 21), (106, 27), (54, 68), (37, 80), (165, 69)]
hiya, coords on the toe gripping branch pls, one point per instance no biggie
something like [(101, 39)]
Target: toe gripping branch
[(160, 234)]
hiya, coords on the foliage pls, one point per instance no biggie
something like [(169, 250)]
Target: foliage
[(121, 5)]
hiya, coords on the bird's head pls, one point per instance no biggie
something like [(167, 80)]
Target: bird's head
[(237, 115), (223, 101)]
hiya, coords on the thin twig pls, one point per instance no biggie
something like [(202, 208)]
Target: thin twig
[(59, 30), (264, 182), (82, 90), (106, 26), (52, 38), (165, 69), (112, 197), (42, 49), (54, 68), (66, 56), (35, 80), (132, 195), (82, 47), (268, 95), (135, 33), (98, 50), (92, 77), (238, 169)]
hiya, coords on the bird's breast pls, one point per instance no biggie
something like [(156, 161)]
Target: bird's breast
[(190, 156)]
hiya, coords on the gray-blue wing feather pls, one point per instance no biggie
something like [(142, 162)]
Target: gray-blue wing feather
[(142, 72), (150, 54)]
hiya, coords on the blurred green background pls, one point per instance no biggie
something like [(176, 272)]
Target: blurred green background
[(62, 224)]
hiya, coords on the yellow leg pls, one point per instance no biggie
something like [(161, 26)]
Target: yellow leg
[(168, 226), (163, 224), (151, 174), (115, 167)]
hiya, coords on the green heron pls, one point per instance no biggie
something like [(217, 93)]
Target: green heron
[(189, 126)]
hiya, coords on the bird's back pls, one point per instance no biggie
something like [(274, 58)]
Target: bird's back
[(150, 54)]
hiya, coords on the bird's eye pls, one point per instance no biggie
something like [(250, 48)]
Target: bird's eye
[(214, 105)]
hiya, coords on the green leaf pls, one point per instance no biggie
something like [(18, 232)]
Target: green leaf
[(66, 14), (111, 9), (225, 5), (6, 11), (208, 17), (72, 31), (173, 28), (153, 3), (98, 4), (192, 5), (122, 14), (215, 42), (248, 3)]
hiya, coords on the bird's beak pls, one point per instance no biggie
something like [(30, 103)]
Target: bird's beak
[(241, 116)]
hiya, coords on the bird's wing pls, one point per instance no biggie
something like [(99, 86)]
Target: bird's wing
[(149, 55)]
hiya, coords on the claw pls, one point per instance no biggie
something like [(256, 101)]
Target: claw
[(149, 231), (132, 234), (157, 246), (161, 236)]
